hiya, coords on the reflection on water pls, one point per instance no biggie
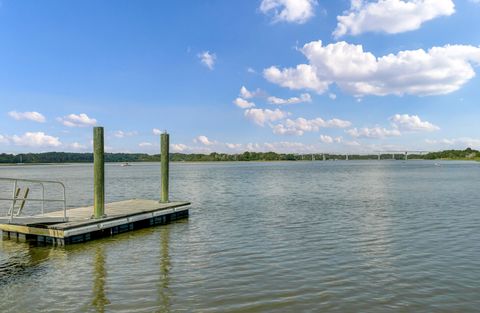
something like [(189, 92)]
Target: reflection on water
[(99, 296), (23, 260), (265, 237), (164, 279)]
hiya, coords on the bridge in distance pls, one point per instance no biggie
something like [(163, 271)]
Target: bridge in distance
[(381, 155)]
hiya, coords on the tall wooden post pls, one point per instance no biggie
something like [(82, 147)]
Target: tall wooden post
[(98, 173), (165, 143)]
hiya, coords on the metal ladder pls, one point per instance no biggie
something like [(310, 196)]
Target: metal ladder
[(22, 202)]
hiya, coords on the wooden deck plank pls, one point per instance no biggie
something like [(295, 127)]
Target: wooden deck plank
[(82, 216)]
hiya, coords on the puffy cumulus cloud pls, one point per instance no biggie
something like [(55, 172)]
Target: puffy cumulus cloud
[(390, 16), (301, 77), (156, 131), (123, 134), (440, 70), (247, 94), (290, 11), (242, 103), (179, 147), (262, 116), (32, 116), (204, 140), (208, 59), (329, 140), (374, 132), (282, 129), (412, 123), (304, 97), (77, 120), (332, 96), (326, 139), (35, 139), (301, 125)]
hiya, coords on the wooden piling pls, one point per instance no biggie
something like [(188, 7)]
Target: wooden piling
[(98, 173), (165, 143)]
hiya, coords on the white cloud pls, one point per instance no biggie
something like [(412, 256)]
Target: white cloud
[(459, 143), (208, 59), (374, 132), (412, 123), (352, 143), (251, 70), (390, 16), (326, 139), (204, 140), (35, 139), (123, 134), (77, 120), (304, 97), (4, 139), (332, 96), (286, 147), (242, 103), (440, 70), (291, 11), (156, 131), (179, 147), (301, 125), (301, 77), (234, 146), (282, 129), (145, 144), (261, 116), (247, 94), (32, 116), (253, 147), (329, 139)]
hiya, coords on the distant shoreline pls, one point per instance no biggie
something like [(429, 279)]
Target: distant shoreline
[(223, 162), (69, 157)]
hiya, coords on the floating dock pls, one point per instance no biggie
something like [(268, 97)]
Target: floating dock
[(88, 223), (120, 217)]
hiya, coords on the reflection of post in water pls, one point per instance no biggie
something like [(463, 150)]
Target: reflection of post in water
[(164, 279), (23, 259), (99, 298)]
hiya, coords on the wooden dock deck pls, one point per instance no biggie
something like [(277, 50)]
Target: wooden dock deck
[(120, 217)]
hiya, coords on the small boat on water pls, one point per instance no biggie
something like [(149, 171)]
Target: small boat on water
[(125, 164)]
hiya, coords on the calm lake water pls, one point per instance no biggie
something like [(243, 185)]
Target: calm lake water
[(366, 236)]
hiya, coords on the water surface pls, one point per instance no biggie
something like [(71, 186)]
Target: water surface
[(356, 236)]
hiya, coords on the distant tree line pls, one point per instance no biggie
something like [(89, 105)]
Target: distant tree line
[(467, 154), (70, 157)]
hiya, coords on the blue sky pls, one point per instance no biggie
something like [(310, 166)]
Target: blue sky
[(317, 76)]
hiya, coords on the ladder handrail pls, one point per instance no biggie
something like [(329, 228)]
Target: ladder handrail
[(42, 183)]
